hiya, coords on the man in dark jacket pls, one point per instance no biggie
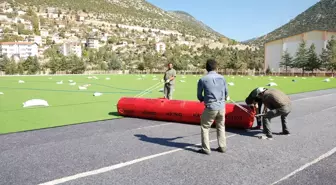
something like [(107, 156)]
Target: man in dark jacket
[(254, 102), (279, 104)]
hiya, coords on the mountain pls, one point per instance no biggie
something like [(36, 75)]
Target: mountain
[(130, 12), (186, 17), (321, 16)]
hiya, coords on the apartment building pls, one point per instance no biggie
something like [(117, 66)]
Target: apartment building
[(18, 50), (70, 48)]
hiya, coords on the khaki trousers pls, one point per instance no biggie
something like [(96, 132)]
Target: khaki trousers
[(282, 112), (207, 118)]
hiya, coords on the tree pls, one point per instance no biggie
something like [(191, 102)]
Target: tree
[(31, 65), (3, 63), (76, 65), (324, 57), (150, 60), (11, 67), (331, 55), (114, 63), (287, 61), (234, 62), (313, 61), (20, 68), (54, 64), (301, 59), (141, 66)]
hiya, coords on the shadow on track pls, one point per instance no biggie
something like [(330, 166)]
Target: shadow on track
[(245, 132), (167, 142)]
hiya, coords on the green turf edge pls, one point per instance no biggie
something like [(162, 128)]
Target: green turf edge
[(120, 117)]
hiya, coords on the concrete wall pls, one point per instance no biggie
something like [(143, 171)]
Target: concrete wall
[(273, 53)]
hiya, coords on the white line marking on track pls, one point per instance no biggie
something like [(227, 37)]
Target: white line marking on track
[(307, 98), (329, 153), (117, 166), (314, 97), (153, 126), (329, 108)]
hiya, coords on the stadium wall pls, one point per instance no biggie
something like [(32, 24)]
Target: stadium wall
[(274, 49)]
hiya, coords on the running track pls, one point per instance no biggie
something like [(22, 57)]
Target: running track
[(133, 151)]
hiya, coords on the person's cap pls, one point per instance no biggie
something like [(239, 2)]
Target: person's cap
[(260, 90)]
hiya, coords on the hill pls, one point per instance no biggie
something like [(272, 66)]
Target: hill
[(131, 12), (321, 16), (186, 17)]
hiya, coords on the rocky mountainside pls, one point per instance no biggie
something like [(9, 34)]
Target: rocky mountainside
[(186, 17), (321, 16), (130, 12)]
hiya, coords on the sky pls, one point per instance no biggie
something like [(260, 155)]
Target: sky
[(239, 19)]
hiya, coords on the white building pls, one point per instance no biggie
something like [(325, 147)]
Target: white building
[(18, 50), (20, 12), (4, 18), (44, 33), (36, 39), (92, 42), (275, 49), (160, 47), (69, 48)]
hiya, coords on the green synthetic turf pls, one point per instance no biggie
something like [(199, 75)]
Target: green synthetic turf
[(69, 105)]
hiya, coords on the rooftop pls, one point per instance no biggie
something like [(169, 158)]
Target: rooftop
[(17, 43)]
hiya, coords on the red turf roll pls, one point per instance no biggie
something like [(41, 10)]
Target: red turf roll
[(181, 111)]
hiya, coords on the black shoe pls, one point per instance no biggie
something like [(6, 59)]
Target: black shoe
[(221, 150), (203, 152), (285, 133)]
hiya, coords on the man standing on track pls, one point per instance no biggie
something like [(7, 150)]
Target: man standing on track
[(254, 102), (169, 79), (279, 104), (215, 94)]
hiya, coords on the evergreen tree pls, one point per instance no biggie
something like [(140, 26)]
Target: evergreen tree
[(11, 67), (301, 59), (3, 63), (287, 61), (31, 65), (313, 60), (324, 58), (331, 49)]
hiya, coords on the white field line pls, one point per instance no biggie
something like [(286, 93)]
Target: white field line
[(117, 166), (329, 153)]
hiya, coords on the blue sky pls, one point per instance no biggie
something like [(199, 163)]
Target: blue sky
[(240, 19)]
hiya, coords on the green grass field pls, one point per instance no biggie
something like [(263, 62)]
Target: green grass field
[(69, 105)]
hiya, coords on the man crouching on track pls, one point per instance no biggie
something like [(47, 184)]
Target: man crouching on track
[(279, 104), (255, 102), (215, 94)]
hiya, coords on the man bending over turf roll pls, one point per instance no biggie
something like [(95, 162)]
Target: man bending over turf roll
[(279, 104), (254, 102)]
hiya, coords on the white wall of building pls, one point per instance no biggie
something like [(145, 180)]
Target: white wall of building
[(273, 54), (275, 49), (19, 49), (71, 48)]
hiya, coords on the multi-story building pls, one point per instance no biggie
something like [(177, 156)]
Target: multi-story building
[(92, 42), (18, 50), (70, 48)]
